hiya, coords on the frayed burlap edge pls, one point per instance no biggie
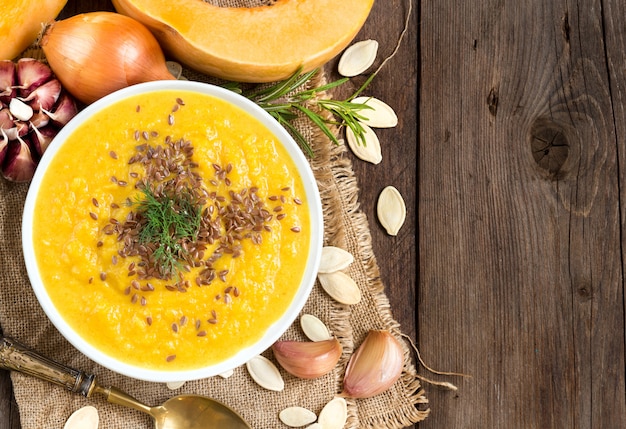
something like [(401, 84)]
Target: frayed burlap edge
[(351, 231)]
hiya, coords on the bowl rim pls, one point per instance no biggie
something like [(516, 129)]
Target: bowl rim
[(274, 331)]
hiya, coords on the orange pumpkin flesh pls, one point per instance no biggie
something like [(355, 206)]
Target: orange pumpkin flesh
[(21, 22), (259, 44)]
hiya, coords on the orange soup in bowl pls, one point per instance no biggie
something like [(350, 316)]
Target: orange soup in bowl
[(171, 230)]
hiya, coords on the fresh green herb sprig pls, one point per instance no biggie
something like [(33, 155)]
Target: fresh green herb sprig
[(286, 99), (169, 221)]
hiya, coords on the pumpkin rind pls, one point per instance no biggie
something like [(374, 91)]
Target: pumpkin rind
[(21, 22), (259, 44)]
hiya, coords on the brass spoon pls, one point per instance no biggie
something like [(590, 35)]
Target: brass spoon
[(179, 412)]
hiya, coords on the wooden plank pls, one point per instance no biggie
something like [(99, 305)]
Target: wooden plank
[(520, 256)]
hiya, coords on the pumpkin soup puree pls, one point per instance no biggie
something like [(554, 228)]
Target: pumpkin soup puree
[(171, 230)]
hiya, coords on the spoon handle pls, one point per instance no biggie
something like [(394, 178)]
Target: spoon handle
[(17, 357)]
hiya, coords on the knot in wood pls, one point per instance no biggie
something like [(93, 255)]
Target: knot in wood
[(549, 145)]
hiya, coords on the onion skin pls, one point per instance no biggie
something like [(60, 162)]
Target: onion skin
[(374, 367), (308, 360), (96, 53)]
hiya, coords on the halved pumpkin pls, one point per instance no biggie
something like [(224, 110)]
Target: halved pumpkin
[(256, 44), (21, 21)]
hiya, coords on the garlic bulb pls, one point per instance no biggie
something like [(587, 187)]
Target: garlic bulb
[(33, 108), (374, 367), (308, 359)]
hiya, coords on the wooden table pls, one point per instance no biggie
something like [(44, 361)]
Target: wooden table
[(519, 199)]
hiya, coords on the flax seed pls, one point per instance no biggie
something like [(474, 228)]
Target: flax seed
[(93, 215)]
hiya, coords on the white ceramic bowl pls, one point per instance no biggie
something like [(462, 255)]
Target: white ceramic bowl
[(274, 332)]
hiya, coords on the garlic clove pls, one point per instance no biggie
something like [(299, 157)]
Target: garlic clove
[(391, 210), (6, 120), (84, 418), (20, 110), (41, 138), (357, 58), (265, 373), (341, 287), (308, 359), (46, 95), (297, 416), (334, 414), (39, 120), (379, 115), (334, 259), (4, 145), (18, 165), (374, 367), (369, 150), (65, 110), (31, 74), (7, 80), (314, 328)]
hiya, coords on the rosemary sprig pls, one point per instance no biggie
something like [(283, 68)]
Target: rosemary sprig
[(286, 100), (168, 222)]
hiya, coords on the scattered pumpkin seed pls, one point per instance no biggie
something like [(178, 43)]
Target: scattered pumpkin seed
[(340, 287), (334, 414), (314, 328), (265, 373), (315, 426), (84, 418), (227, 374), (297, 416), (367, 151), (174, 68), (174, 385), (357, 58), (391, 210), (381, 115), (334, 259)]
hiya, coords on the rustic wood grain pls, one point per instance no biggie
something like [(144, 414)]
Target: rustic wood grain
[(520, 267), (397, 84)]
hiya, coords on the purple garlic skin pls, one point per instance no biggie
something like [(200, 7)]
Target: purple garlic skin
[(33, 108)]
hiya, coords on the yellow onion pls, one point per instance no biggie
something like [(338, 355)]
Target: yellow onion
[(96, 53), (308, 359), (374, 367)]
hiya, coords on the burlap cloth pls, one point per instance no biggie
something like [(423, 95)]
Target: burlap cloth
[(43, 405)]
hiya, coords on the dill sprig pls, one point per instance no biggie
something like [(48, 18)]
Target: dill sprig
[(167, 223), (286, 100)]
